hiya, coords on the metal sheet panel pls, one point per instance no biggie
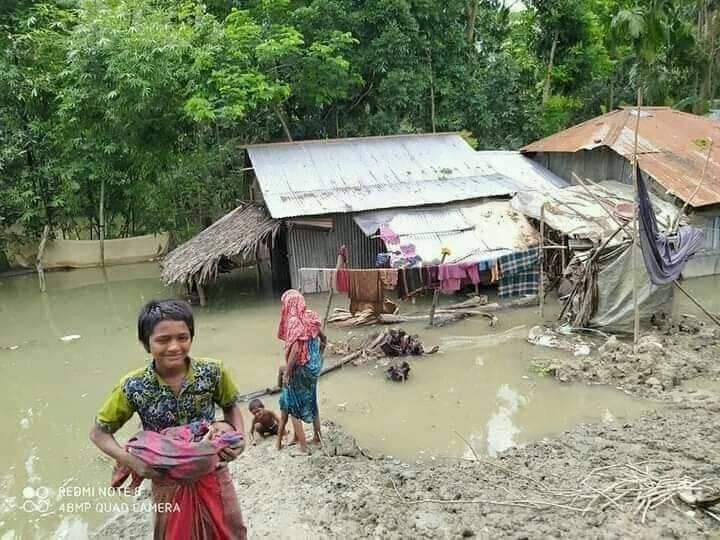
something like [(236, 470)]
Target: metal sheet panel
[(671, 147), (314, 248), (471, 231), (350, 175)]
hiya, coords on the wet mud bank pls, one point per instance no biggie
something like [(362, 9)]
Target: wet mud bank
[(617, 479), (546, 489), (673, 353)]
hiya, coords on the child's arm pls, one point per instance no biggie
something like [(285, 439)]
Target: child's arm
[(252, 428), (323, 341)]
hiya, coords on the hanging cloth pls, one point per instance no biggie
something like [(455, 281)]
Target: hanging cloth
[(342, 275), (664, 258)]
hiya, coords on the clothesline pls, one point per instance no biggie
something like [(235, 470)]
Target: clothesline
[(516, 274)]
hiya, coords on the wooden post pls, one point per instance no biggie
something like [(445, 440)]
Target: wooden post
[(328, 305), (436, 296), (339, 263), (542, 260), (38, 260), (102, 222), (636, 305), (563, 239), (201, 292)]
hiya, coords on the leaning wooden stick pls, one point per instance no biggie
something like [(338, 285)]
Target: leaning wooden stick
[(542, 260), (697, 189), (694, 300), (436, 295)]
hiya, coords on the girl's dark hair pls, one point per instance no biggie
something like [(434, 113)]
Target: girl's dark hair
[(156, 311)]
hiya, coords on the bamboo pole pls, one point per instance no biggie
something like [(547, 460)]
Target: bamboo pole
[(328, 305), (697, 189), (436, 296), (542, 260), (38, 260), (636, 305), (201, 292)]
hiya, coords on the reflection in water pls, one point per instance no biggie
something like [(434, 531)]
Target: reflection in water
[(501, 431), (478, 385)]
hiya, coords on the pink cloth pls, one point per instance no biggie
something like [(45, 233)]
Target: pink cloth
[(388, 235), (471, 268), (297, 323), (178, 451), (451, 276)]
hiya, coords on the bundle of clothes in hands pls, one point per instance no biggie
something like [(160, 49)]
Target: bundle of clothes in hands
[(185, 453)]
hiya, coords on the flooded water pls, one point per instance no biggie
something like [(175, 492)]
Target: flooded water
[(480, 385)]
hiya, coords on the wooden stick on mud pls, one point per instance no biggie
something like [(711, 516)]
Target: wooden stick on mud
[(327, 369)]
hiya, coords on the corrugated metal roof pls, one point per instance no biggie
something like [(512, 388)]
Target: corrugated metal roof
[(353, 175), (577, 213), (472, 231), (668, 147)]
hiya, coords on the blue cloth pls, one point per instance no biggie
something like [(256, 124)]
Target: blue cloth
[(299, 397), (664, 260)]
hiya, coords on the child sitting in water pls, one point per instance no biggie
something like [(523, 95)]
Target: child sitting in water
[(265, 422)]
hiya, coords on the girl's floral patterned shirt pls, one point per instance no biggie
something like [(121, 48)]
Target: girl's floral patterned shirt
[(143, 391)]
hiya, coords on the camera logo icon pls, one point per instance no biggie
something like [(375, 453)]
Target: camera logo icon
[(36, 499)]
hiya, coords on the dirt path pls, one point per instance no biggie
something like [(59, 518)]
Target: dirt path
[(339, 493)]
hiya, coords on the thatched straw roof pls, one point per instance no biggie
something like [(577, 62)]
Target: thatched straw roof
[(238, 233)]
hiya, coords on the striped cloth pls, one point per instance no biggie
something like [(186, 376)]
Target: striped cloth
[(519, 273)]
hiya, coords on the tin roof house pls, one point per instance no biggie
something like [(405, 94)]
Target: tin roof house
[(672, 153), (310, 197)]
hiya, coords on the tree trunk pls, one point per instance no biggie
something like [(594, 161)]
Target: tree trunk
[(283, 122), (471, 12), (432, 92), (38, 260), (548, 77), (102, 222), (612, 95)]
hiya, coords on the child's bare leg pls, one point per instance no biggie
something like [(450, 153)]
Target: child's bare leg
[(281, 430), (299, 434), (317, 435), (281, 371)]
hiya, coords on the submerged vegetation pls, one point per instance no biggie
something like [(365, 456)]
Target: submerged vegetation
[(141, 107)]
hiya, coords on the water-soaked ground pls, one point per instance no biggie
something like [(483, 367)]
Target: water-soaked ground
[(480, 385)]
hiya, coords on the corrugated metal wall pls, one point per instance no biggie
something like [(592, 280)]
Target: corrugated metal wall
[(599, 165), (315, 248)]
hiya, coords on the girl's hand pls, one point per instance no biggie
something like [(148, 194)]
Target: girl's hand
[(286, 378), (232, 452)]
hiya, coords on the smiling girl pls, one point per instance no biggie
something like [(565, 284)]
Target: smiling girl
[(174, 389)]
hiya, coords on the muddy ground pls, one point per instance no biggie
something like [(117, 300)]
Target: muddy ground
[(551, 488)]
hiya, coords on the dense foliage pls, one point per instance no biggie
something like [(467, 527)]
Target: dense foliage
[(149, 102)]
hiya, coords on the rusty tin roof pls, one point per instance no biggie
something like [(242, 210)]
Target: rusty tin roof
[(672, 147)]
